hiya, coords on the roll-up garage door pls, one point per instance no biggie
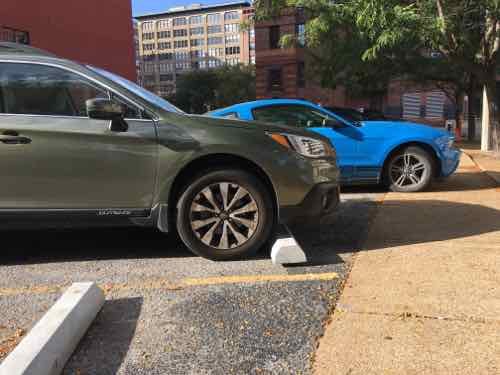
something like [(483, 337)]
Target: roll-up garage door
[(411, 104), (434, 105)]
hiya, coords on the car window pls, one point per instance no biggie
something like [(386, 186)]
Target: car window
[(130, 111), (292, 115), (44, 90)]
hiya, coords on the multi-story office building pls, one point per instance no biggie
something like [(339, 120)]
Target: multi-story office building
[(193, 37)]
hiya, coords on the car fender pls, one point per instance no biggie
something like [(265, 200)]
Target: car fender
[(394, 144)]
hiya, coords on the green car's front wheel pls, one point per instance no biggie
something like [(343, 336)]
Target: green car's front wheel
[(225, 214)]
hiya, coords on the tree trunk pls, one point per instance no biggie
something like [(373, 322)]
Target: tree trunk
[(489, 138)]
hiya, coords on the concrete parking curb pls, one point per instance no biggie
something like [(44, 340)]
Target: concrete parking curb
[(50, 343)]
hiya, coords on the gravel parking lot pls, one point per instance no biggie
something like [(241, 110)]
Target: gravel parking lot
[(170, 312)]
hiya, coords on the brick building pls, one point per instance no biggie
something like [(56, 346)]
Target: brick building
[(282, 73), (189, 38), (92, 31)]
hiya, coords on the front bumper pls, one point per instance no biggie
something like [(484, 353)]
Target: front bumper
[(449, 161), (322, 200)]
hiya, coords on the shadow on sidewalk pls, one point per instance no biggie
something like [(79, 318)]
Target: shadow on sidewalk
[(397, 223), (106, 344)]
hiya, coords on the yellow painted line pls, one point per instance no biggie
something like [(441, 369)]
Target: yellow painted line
[(259, 279), (164, 284)]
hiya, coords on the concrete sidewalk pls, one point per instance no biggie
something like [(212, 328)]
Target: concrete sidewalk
[(423, 296)]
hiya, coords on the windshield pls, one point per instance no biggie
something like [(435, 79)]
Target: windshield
[(137, 90)]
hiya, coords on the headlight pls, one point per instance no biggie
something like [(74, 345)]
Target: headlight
[(310, 147), (445, 141)]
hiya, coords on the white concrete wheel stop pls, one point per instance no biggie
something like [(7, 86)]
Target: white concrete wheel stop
[(50, 343), (286, 250)]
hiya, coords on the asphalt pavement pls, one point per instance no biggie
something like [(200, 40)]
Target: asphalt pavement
[(169, 312)]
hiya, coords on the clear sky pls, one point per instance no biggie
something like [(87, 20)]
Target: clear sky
[(152, 6)]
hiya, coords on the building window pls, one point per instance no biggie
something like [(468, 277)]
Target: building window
[(232, 38), (148, 47), (149, 68), (232, 50), (147, 26), (301, 75), (182, 65), (166, 77), (233, 15), (215, 52), (214, 29), (202, 64), (180, 21), (274, 79), (214, 40), (252, 46), (251, 33), (181, 55), (197, 54), (214, 63), (163, 34), (194, 20), (165, 67), (301, 34), (164, 45), (9, 34), (197, 42), (148, 58), (163, 24), (233, 61), (252, 59), (214, 18), (180, 43), (180, 33), (196, 30), (274, 37), (166, 56), (232, 28), (148, 36)]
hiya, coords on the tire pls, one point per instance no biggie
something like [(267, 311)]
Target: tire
[(410, 170), (217, 229)]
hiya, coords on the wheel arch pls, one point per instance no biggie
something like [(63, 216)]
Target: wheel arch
[(417, 143), (213, 161)]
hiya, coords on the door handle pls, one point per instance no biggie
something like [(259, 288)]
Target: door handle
[(14, 139)]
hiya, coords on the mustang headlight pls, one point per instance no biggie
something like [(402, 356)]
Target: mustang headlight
[(306, 146), (445, 141)]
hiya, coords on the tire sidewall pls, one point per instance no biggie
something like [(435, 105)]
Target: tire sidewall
[(249, 182), (426, 158)]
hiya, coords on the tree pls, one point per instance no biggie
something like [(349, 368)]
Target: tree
[(395, 33), (199, 91)]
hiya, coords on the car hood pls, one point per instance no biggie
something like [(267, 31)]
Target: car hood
[(253, 125), (408, 128)]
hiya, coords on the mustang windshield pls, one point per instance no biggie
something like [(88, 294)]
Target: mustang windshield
[(137, 90)]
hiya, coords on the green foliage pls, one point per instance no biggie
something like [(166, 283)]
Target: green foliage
[(199, 91)]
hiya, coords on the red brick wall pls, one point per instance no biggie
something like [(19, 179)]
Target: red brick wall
[(97, 32)]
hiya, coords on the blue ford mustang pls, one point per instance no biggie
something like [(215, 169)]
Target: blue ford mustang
[(403, 155)]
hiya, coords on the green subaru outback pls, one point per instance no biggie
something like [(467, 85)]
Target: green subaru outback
[(80, 145)]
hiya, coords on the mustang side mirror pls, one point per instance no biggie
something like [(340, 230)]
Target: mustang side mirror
[(105, 109), (330, 123)]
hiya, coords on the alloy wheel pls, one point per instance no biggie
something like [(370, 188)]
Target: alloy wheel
[(407, 170), (224, 215)]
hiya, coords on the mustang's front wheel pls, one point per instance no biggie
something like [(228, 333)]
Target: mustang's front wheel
[(410, 170), (225, 214)]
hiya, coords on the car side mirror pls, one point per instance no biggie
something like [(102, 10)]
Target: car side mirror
[(105, 109), (329, 123)]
